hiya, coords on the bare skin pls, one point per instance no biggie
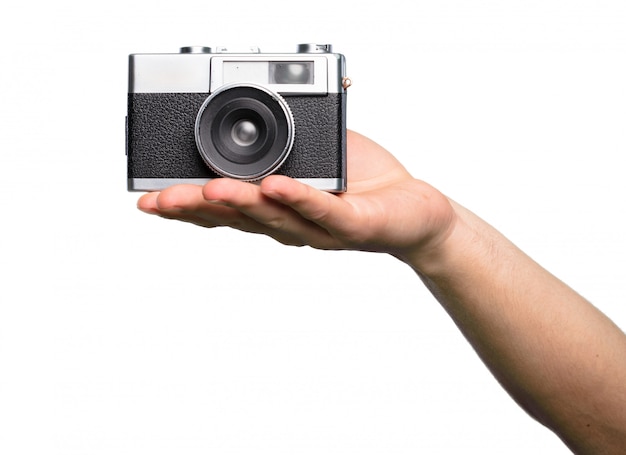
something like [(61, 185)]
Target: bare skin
[(559, 357)]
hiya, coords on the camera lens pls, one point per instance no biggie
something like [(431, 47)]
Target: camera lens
[(244, 131)]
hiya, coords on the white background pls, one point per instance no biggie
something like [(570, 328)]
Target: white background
[(122, 333)]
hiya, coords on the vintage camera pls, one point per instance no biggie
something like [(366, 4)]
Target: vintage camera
[(206, 113)]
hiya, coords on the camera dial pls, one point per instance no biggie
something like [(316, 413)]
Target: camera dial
[(309, 48), (195, 50)]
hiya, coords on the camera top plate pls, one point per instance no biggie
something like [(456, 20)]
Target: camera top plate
[(199, 69)]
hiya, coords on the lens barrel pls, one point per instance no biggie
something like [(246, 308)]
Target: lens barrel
[(244, 131)]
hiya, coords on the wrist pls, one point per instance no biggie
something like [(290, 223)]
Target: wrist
[(442, 253)]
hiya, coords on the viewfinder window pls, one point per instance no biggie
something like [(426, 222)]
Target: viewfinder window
[(291, 73)]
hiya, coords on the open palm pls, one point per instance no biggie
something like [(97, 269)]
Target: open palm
[(385, 209)]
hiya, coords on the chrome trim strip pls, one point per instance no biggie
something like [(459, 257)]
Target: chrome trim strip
[(333, 185)]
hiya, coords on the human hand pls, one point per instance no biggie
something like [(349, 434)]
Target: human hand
[(385, 209)]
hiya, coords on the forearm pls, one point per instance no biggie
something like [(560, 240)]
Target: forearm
[(559, 357)]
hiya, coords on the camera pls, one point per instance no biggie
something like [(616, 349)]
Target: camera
[(206, 113)]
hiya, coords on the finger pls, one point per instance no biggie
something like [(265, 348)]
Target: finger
[(148, 203), (279, 220), (329, 211), (185, 203)]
